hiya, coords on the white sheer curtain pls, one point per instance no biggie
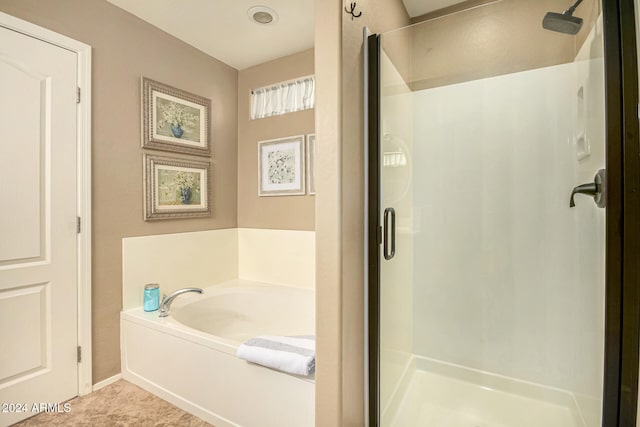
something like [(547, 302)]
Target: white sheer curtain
[(282, 98)]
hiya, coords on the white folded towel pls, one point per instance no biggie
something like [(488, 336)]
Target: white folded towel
[(295, 355)]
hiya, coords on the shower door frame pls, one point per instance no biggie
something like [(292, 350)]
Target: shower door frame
[(622, 271)]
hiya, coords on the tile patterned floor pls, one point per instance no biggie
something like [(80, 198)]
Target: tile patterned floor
[(120, 404)]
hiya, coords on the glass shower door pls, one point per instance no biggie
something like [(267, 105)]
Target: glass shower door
[(491, 286)]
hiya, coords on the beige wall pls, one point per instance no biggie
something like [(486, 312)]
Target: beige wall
[(328, 51), (493, 39), (124, 49), (281, 212), (340, 205)]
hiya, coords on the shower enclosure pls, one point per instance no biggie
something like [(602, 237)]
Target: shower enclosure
[(495, 203)]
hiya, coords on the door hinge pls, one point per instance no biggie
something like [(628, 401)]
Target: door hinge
[(78, 225), (79, 354), (77, 95)]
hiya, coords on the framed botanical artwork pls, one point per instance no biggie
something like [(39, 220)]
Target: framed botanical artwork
[(281, 166), (175, 188), (311, 163), (174, 120)]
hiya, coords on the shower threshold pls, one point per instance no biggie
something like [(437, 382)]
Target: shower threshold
[(434, 394)]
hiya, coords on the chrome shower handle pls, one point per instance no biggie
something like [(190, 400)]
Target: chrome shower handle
[(389, 251), (597, 189)]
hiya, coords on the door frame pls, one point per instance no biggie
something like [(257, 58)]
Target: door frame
[(83, 171), (622, 277), (373, 230)]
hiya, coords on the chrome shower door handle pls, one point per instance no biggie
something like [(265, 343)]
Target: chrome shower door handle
[(389, 250)]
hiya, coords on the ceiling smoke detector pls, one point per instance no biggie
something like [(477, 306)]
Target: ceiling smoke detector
[(262, 15)]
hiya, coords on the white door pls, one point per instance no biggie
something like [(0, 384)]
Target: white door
[(38, 253)]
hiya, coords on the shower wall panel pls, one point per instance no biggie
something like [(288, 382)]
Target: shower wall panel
[(504, 281)]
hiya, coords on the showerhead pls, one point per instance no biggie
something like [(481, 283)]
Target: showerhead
[(563, 22)]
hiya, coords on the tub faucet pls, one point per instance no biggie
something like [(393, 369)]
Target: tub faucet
[(168, 299)]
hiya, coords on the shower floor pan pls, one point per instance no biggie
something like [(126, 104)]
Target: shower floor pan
[(458, 397)]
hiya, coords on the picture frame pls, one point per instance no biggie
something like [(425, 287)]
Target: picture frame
[(311, 164), (175, 188), (174, 120), (281, 166)]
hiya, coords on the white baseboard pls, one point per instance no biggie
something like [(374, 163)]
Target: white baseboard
[(97, 386)]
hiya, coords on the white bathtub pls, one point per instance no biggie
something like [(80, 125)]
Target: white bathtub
[(189, 357)]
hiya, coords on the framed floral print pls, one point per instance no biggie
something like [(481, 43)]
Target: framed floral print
[(175, 188), (311, 163), (281, 167), (174, 120)]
